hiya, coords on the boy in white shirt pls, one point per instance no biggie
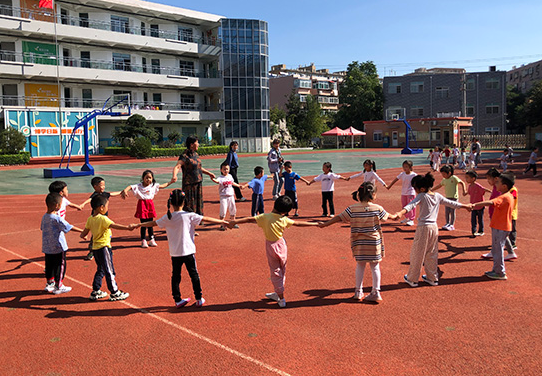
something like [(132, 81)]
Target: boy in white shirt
[(226, 193), (61, 188)]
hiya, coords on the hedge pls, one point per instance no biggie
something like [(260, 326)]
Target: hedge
[(168, 152), (15, 159)]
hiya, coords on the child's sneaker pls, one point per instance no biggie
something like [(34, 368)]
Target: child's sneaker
[(182, 303), (411, 284), (358, 295), (450, 228), (119, 295), (222, 228), (428, 281), (410, 223), (273, 296), (50, 287), (404, 221), (90, 256), (235, 226), (510, 256), (487, 255), (494, 275), (331, 215), (480, 234), (373, 297), (152, 243), (99, 294), (144, 244), (61, 290), (445, 227), (282, 303), (200, 302)]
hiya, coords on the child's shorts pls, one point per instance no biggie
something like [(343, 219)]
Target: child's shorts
[(227, 203)]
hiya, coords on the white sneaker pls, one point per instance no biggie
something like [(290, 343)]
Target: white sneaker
[(61, 290), (358, 295), (99, 294), (200, 302), (445, 227), (450, 228), (510, 256), (152, 243), (282, 303), (273, 296), (410, 223), (119, 295), (50, 287), (487, 255), (182, 303), (404, 221), (410, 283), (144, 244), (331, 215)]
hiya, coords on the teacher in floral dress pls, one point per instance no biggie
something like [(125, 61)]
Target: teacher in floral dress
[(190, 164)]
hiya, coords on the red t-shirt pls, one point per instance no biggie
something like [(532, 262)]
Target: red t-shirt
[(476, 192)]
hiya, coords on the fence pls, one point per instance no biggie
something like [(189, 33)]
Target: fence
[(497, 141)]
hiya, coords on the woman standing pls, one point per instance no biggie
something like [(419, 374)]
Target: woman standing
[(190, 164), (233, 162)]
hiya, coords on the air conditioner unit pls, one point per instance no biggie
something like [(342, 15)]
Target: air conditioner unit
[(434, 122)]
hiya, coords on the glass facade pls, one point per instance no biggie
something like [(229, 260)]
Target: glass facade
[(245, 66)]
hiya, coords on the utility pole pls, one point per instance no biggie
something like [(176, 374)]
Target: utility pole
[(464, 95)]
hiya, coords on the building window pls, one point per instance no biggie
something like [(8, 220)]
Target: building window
[(155, 66), (492, 83), (186, 34), (321, 85), (121, 61), (416, 111), (442, 92), (471, 83), (187, 68), (435, 134), (302, 98), (120, 24), (492, 108), (470, 110), (155, 31), (188, 101), (87, 98), (492, 130), (377, 136), (302, 83), (394, 88), (416, 87)]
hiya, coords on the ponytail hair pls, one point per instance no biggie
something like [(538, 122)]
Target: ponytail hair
[(365, 192), (328, 165), (370, 162), (176, 198)]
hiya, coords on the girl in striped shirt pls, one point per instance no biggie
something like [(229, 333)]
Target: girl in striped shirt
[(365, 237)]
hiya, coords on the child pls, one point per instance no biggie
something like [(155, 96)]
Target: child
[(476, 192), (450, 183), (328, 186), (430, 157), (447, 154), (145, 192), (501, 223), (455, 154), (531, 164), (53, 244), (226, 193), (436, 157), (504, 158), (407, 190), (257, 186), (61, 188), (369, 173), (366, 239), (273, 225), (471, 162), (425, 246), (180, 228), (274, 162), (289, 184), (98, 183), (100, 226), (510, 152), (462, 159)]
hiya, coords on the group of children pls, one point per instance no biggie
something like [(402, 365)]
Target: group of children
[(365, 218)]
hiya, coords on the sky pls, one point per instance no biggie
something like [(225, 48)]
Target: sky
[(397, 35)]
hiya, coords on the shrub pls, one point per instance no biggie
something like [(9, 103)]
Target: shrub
[(142, 148), (15, 159), (168, 152), (11, 141)]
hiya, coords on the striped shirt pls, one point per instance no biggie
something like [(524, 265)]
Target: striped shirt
[(365, 231)]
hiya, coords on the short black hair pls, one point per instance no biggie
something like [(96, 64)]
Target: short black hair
[(147, 172), (52, 200), (288, 164), (508, 179), (283, 204), (366, 192), (96, 180), (426, 182), (97, 201), (258, 170), (328, 165), (57, 186), (472, 174), (448, 169), (493, 172), (224, 164), (408, 162)]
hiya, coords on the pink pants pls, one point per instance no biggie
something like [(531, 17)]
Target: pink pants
[(405, 199), (277, 255)]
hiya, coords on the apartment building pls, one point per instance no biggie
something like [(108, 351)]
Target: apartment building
[(319, 83), (523, 78), (58, 64), (450, 92)]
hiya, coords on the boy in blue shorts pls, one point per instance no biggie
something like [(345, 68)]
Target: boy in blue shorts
[(257, 185), (289, 184)]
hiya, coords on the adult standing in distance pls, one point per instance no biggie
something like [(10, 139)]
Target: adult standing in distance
[(477, 148), (233, 162), (190, 164), (275, 161)]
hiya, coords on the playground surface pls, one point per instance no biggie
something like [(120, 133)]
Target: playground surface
[(467, 325)]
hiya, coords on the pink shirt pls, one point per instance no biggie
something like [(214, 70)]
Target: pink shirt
[(494, 193), (476, 192)]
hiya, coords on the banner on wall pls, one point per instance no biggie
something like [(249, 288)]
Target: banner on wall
[(42, 131), (39, 53), (31, 9), (41, 95)]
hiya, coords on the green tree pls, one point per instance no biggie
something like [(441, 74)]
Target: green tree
[(304, 120), (532, 111), (361, 96), (11, 141), (276, 114), (515, 104), (135, 126)]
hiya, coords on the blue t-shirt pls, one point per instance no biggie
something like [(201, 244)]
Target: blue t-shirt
[(257, 185), (289, 180), (52, 234)]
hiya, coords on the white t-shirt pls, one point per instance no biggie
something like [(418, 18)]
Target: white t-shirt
[(407, 188), (328, 181), (180, 232), (62, 211), (455, 152), (145, 193), (225, 185), (369, 176), (436, 156)]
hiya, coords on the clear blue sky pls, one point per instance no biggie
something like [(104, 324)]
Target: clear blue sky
[(398, 35)]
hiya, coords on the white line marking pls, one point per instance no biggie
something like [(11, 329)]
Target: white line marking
[(170, 323)]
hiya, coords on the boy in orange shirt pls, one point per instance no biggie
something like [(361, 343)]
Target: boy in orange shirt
[(501, 222)]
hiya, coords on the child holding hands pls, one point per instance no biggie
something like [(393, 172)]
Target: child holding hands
[(328, 186), (226, 192)]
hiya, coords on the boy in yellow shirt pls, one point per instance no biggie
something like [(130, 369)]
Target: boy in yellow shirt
[(273, 225), (100, 226)]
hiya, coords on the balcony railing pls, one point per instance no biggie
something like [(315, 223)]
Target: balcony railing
[(24, 101), (115, 26), (122, 65)]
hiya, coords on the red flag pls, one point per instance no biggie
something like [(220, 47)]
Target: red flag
[(46, 4)]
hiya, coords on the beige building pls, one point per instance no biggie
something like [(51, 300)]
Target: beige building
[(319, 83), (524, 77)]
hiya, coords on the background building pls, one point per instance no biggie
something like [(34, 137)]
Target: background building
[(319, 83), (58, 65), (444, 92), (245, 62), (524, 77)]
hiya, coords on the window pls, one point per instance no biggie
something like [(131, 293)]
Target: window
[(470, 110), (155, 64), (120, 24), (155, 31), (187, 68), (492, 83), (83, 19), (188, 101), (144, 64), (416, 87), (85, 59), (7, 51), (416, 111), (471, 84), (87, 98), (121, 61), (394, 88), (321, 85), (64, 18), (377, 136), (435, 134), (492, 108), (186, 34), (492, 130), (157, 98), (302, 98), (442, 92), (302, 83)]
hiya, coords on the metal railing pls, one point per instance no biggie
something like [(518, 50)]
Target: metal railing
[(121, 65), (115, 26)]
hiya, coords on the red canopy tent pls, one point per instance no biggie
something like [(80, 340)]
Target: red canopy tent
[(350, 131)]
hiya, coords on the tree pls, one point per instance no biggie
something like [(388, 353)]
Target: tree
[(11, 141), (304, 120), (276, 114), (135, 126), (361, 96), (515, 102), (532, 111)]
